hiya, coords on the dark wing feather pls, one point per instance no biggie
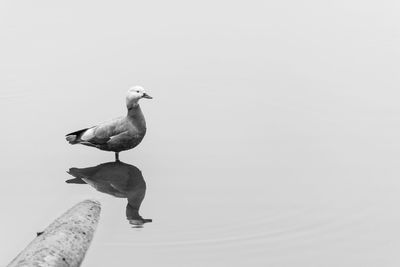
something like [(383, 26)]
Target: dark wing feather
[(75, 137)]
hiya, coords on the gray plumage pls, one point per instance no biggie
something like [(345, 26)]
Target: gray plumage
[(119, 134)]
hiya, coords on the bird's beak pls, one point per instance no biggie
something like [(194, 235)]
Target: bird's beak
[(146, 96)]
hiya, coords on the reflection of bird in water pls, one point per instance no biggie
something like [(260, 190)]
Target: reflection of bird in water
[(119, 134), (117, 179)]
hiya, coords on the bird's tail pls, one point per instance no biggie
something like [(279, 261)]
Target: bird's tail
[(75, 137), (78, 174), (75, 181)]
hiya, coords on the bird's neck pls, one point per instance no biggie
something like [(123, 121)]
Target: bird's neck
[(136, 116)]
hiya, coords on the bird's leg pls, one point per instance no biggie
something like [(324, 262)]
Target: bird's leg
[(116, 156)]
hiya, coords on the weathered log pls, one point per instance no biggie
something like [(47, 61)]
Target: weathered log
[(65, 241)]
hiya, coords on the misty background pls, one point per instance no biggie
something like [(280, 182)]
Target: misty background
[(273, 135)]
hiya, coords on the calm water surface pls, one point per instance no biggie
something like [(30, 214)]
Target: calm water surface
[(273, 135)]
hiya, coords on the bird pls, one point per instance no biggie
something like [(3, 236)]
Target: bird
[(119, 134)]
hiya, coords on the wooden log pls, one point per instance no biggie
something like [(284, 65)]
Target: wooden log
[(65, 241)]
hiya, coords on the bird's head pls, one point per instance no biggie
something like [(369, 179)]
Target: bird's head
[(134, 94)]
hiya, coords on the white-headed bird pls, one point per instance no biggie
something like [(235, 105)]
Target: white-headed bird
[(119, 134)]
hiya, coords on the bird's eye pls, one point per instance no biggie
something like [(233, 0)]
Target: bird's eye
[(137, 91)]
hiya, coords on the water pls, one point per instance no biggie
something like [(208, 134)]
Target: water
[(119, 180), (273, 135)]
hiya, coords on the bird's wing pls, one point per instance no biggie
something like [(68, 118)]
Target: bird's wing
[(102, 133)]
